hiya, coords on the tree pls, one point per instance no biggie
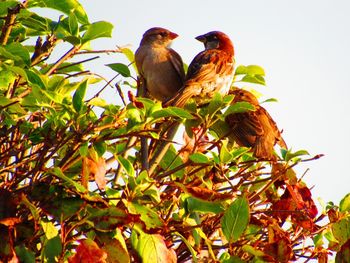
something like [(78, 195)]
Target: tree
[(209, 201)]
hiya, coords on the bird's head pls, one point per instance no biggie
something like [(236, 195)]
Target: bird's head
[(244, 95), (158, 36), (216, 40)]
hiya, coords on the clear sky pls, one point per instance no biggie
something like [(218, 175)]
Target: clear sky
[(303, 47)]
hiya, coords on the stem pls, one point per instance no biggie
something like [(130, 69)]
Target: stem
[(66, 56), (163, 147), (9, 22)]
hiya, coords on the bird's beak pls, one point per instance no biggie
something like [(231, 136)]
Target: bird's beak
[(173, 35), (201, 38)]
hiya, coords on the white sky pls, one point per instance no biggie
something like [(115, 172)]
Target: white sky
[(303, 47)]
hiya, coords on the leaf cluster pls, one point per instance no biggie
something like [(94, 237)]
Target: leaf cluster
[(72, 186)]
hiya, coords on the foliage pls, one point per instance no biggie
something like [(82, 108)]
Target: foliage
[(62, 198)]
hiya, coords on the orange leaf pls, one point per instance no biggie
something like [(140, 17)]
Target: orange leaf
[(10, 221), (207, 194), (96, 168)]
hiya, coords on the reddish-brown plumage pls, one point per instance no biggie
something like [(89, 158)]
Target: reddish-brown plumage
[(210, 71), (255, 129), (160, 67)]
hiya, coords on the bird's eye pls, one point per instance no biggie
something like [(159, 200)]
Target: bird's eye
[(163, 34)]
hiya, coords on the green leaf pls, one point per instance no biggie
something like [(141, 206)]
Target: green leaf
[(194, 204), (32, 208), (253, 251), (78, 97), (255, 70), (73, 24), (58, 172), (126, 164), (64, 208), (172, 112), (49, 229), (152, 248), (287, 155), (115, 247), (238, 107), (215, 103), (36, 25), (97, 30), (52, 249), (188, 245), (84, 149), (6, 78), (199, 158), (254, 79), (344, 205), (240, 70), (36, 79), (107, 219), (171, 160), (65, 6), (270, 100), (341, 230), (5, 5), (100, 147), (120, 68), (235, 219), (250, 70), (16, 49), (148, 216), (19, 71), (225, 155), (24, 254), (98, 102), (227, 99), (227, 258), (134, 116), (130, 56)]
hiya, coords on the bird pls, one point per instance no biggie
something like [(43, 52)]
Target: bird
[(160, 67), (255, 129), (210, 71)]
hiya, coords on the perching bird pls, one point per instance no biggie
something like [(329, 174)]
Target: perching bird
[(209, 72), (160, 67), (255, 129)]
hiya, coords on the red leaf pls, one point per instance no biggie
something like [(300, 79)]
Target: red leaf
[(134, 101), (88, 252), (297, 202), (344, 254)]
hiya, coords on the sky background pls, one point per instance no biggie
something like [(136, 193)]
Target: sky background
[(303, 47)]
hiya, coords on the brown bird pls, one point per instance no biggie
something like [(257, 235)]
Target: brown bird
[(255, 129), (160, 67), (210, 71)]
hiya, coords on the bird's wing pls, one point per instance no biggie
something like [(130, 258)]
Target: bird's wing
[(245, 127), (204, 68), (177, 63), (207, 65), (279, 140)]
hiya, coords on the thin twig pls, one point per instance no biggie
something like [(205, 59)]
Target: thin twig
[(77, 63), (98, 51)]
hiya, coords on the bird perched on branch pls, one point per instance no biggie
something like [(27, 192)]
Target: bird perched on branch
[(255, 129), (209, 72), (160, 67)]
